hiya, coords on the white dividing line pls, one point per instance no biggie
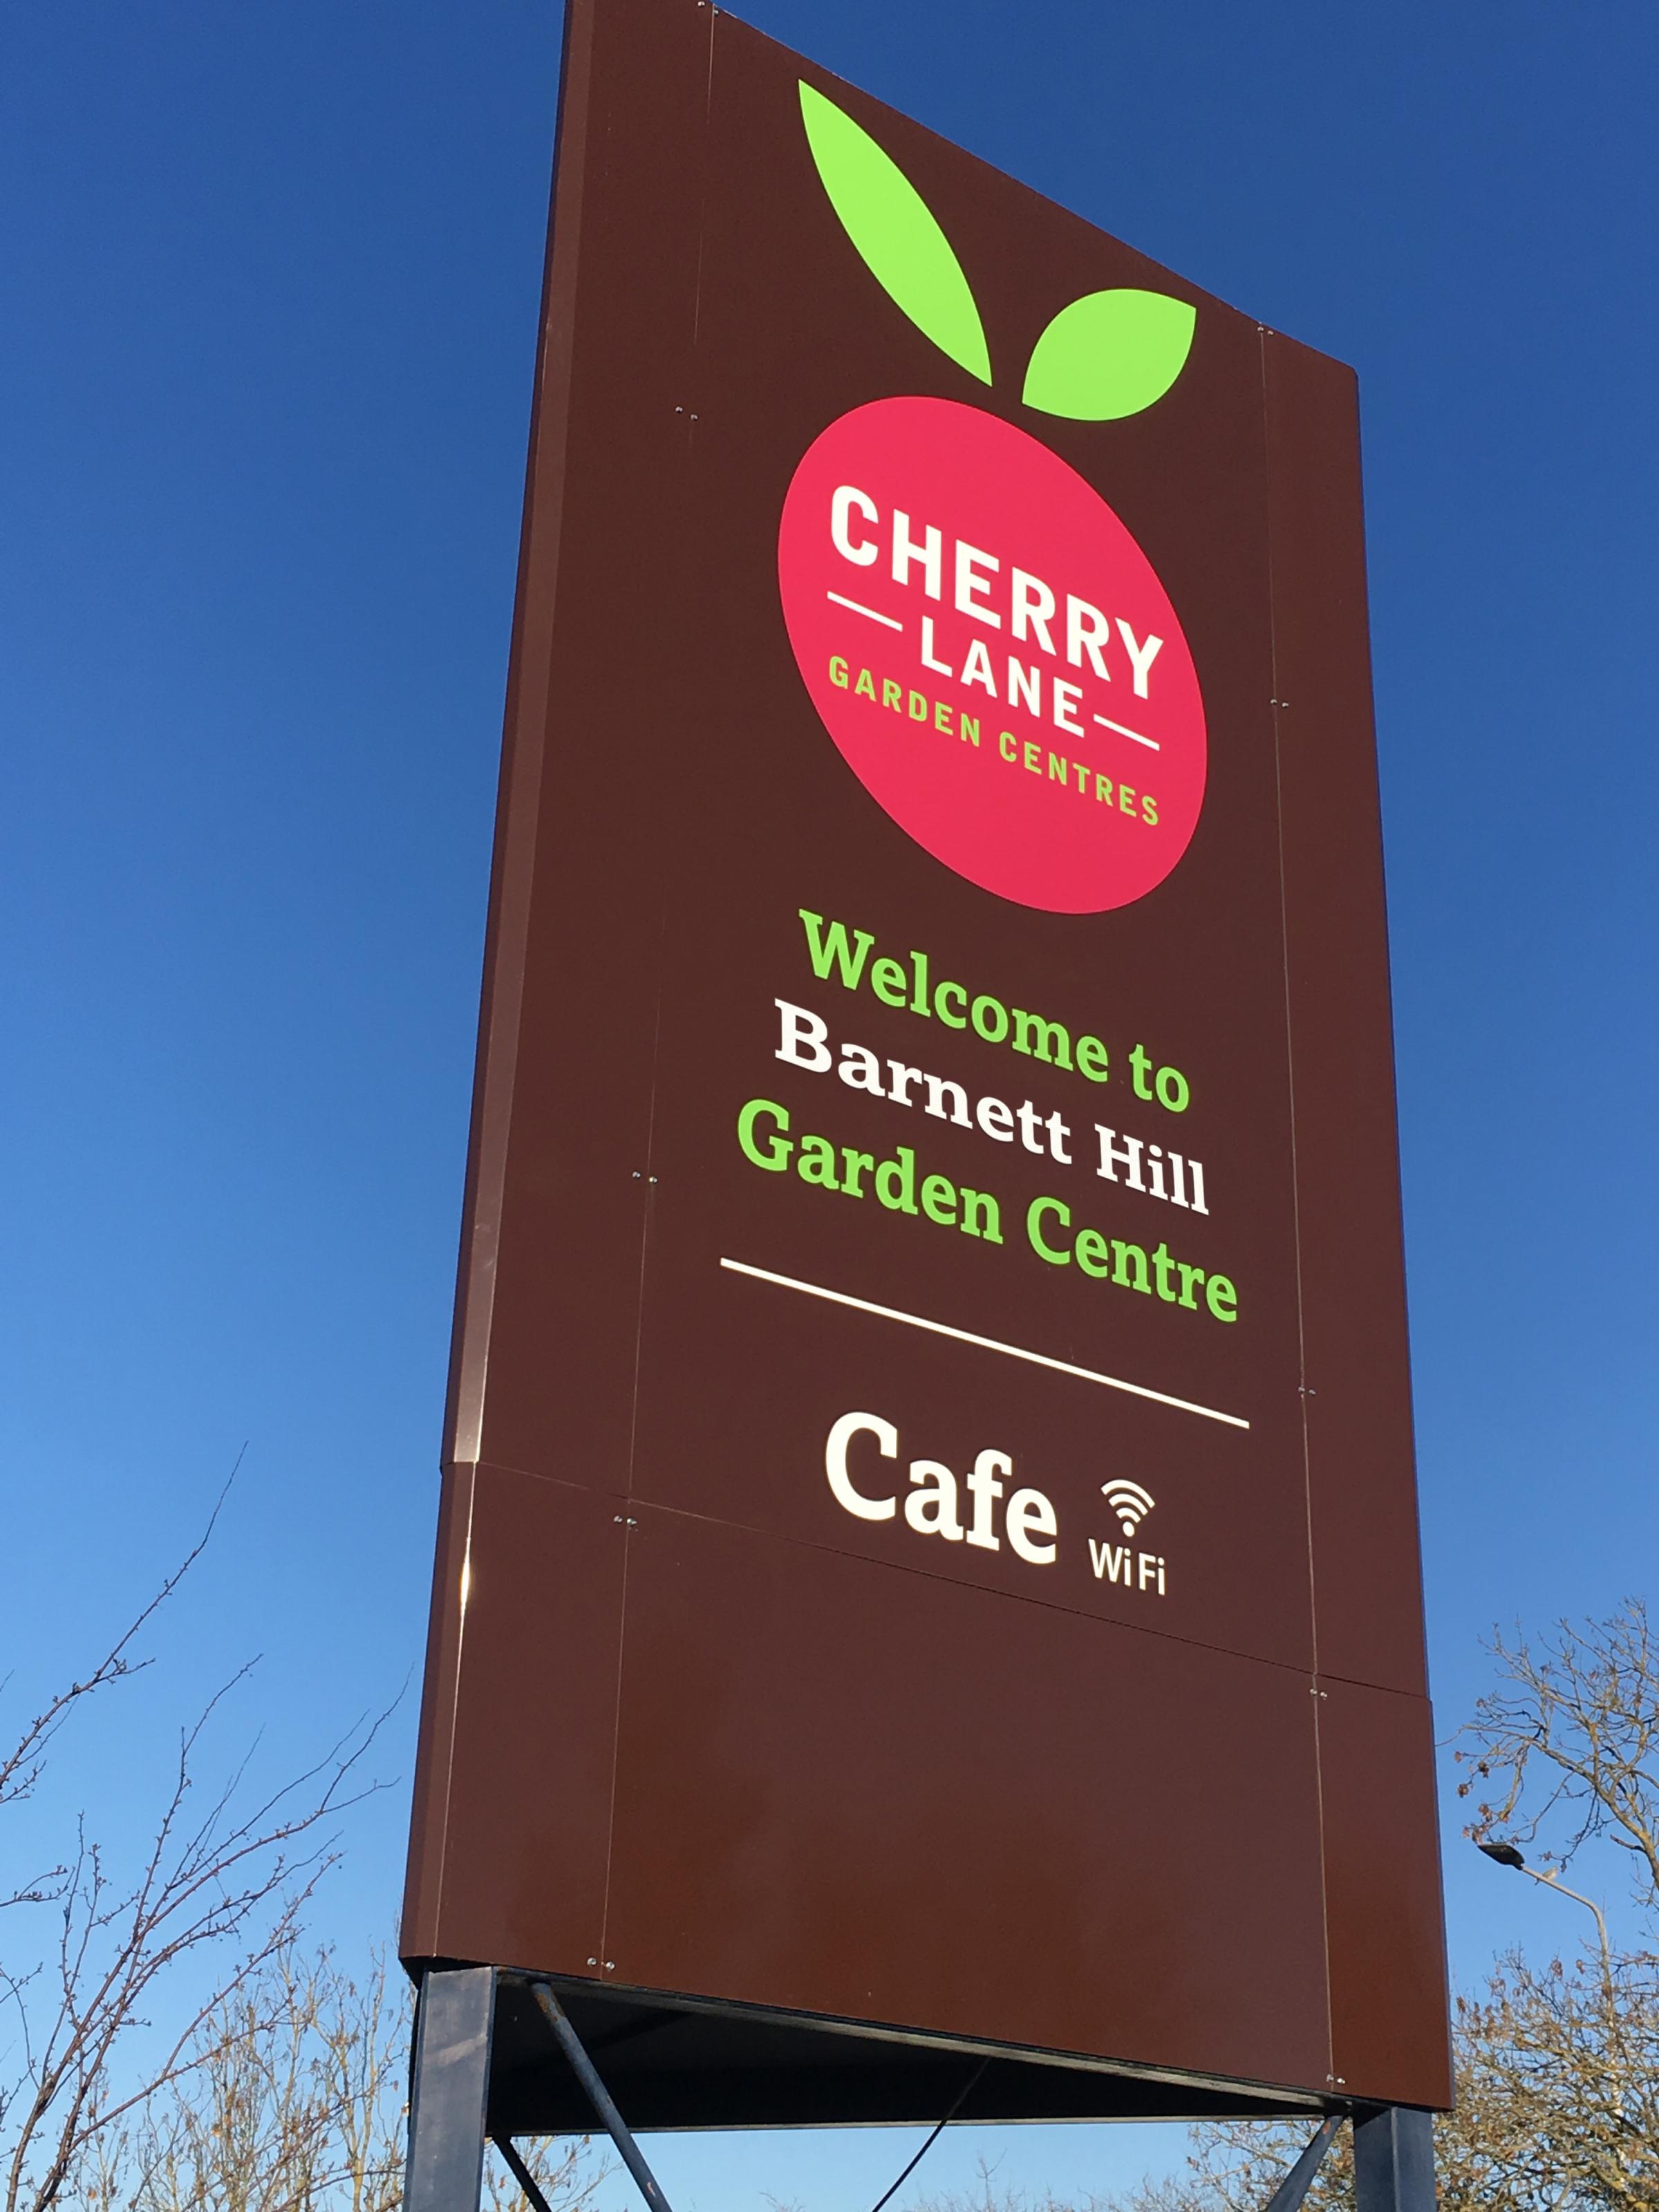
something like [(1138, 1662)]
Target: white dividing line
[(985, 1343), (852, 607), (1106, 725)]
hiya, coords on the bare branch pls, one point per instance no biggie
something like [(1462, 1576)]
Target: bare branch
[(294, 2101), (191, 1933), (1565, 1749), (21, 1767)]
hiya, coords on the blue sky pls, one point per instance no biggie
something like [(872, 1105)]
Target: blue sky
[(271, 279)]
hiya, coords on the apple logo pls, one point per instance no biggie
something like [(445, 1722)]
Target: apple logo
[(990, 650)]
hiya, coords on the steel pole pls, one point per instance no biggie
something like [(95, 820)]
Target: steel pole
[(1394, 2159), (449, 2089), (599, 2097), (1300, 2180)]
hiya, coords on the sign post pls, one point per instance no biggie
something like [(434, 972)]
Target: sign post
[(927, 1582)]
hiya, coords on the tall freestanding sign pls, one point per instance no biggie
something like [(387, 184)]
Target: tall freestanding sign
[(928, 1565)]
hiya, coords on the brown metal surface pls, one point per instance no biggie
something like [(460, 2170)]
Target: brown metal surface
[(1362, 1503), (720, 1755), (1383, 1894), (883, 1797), (521, 1741)]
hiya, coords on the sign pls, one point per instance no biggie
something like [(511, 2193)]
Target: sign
[(928, 1561)]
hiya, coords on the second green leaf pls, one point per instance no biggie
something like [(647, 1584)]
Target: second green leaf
[(1110, 353)]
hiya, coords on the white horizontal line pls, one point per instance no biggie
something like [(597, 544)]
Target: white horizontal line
[(985, 1343), (853, 606), (1106, 724)]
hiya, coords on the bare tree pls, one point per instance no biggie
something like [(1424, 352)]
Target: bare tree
[(97, 1951), (295, 2098), (1565, 1746), (1559, 2074), (296, 2103), (987, 2195)]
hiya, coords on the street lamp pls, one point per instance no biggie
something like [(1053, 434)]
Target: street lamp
[(1506, 1855)]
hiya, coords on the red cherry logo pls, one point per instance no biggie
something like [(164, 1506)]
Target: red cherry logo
[(993, 654)]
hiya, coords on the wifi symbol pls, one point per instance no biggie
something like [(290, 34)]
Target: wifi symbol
[(1129, 1502)]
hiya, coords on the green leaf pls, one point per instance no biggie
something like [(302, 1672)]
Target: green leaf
[(895, 232), (1110, 353)]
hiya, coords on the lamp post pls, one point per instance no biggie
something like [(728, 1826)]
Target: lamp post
[(1613, 2057), (1506, 1855)]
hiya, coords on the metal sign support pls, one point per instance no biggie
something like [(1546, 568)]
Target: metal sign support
[(1394, 2159), (598, 2096), (1300, 2180), (449, 2090), (449, 2095), (449, 2111)]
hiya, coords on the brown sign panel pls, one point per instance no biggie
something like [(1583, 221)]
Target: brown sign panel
[(929, 1558)]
